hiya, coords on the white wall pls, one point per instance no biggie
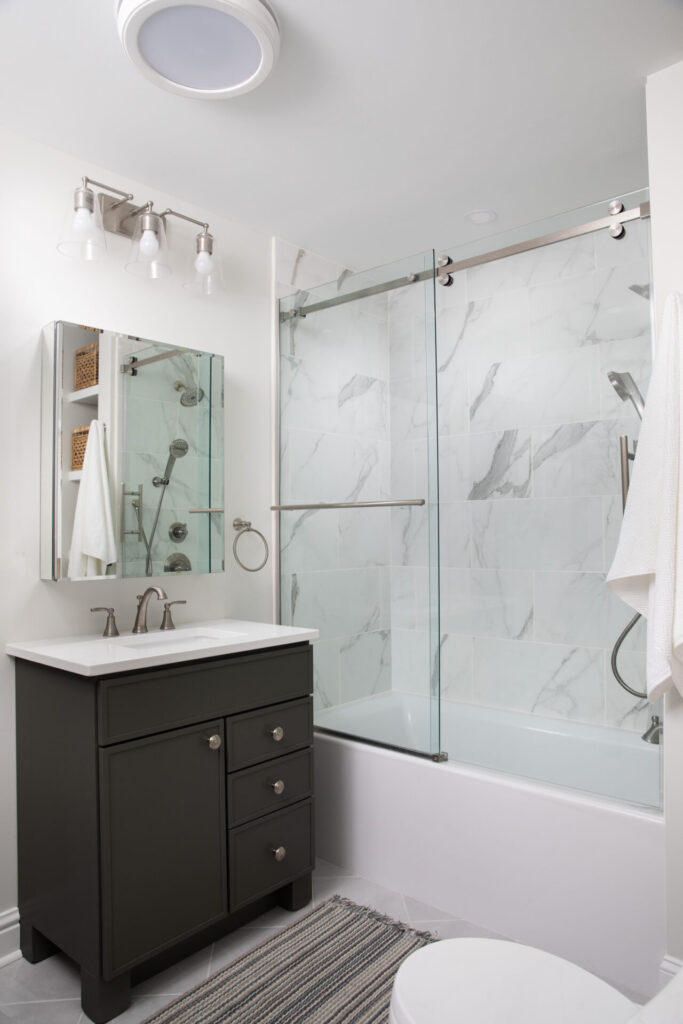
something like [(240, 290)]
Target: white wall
[(38, 285), (665, 146)]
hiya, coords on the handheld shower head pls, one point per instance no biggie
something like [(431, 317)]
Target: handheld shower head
[(627, 389), (176, 450)]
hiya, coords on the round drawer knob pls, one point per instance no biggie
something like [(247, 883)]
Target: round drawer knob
[(215, 742), (277, 733), (280, 853), (278, 787)]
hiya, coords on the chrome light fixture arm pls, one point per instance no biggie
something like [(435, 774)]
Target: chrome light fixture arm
[(125, 196)]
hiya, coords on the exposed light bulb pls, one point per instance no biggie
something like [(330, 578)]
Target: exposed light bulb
[(203, 263), (83, 220), (149, 243)]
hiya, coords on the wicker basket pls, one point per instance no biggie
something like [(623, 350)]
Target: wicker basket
[(79, 439), (86, 366)]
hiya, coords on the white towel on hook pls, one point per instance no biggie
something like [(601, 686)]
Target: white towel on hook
[(93, 546), (647, 571)]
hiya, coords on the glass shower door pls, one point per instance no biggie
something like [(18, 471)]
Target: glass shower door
[(359, 499)]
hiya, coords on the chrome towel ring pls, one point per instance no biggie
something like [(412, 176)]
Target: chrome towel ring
[(243, 526)]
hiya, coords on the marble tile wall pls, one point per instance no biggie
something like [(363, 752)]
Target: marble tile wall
[(529, 476)]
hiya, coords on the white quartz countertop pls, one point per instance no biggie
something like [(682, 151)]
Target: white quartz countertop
[(99, 655)]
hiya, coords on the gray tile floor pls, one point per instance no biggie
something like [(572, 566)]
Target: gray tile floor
[(48, 992)]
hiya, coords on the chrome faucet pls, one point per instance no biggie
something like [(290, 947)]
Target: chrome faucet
[(140, 625), (654, 731)]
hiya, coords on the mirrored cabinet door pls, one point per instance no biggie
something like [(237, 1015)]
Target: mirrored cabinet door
[(132, 456)]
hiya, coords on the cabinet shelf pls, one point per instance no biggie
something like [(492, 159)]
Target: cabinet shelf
[(86, 396), (75, 475)]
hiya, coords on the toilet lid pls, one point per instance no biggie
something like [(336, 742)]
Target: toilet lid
[(490, 981)]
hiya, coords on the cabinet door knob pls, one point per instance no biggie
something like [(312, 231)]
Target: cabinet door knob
[(278, 787), (280, 853), (214, 742), (277, 733)]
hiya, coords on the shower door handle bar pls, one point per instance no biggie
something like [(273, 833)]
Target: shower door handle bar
[(134, 365), (400, 503), (193, 511)]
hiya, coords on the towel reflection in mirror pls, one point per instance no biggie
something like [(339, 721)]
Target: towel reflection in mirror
[(93, 546)]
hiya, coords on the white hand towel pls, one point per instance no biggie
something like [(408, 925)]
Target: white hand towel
[(93, 546), (647, 571)]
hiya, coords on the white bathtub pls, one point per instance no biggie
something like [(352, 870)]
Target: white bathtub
[(606, 762), (577, 875)]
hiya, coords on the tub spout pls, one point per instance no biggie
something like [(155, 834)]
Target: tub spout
[(654, 731)]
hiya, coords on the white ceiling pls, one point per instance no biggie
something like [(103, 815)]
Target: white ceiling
[(383, 122)]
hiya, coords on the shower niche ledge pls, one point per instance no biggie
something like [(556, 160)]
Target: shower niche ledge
[(157, 405)]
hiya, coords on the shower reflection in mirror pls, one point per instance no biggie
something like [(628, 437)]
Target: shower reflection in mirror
[(162, 407)]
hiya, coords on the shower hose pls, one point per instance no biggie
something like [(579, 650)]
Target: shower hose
[(615, 651)]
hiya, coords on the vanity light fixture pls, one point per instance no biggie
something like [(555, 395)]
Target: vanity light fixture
[(201, 48), (91, 214)]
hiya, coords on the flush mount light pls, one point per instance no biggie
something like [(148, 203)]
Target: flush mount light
[(209, 49), (481, 216)]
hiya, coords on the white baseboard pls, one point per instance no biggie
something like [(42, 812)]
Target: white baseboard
[(9, 936), (669, 967)]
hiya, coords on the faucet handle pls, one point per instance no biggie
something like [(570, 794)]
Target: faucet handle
[(110, 627), (167, 621)]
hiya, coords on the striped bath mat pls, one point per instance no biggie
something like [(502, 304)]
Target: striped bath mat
[(336, 965)]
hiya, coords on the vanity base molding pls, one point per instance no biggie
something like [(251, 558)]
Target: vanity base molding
[(159, 810)]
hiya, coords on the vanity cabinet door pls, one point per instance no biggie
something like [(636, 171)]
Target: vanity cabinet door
[(162, 831)]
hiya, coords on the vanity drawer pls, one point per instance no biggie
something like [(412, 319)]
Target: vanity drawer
[(261, 735), (254, 868), (139, 704), (268, 787)]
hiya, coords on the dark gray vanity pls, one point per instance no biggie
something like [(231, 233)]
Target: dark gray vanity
[(160, 808)]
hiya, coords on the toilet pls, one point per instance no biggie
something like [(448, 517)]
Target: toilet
[(491, 981)]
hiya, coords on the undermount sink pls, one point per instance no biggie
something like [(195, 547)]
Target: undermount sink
[(194, 636), (98, 655)]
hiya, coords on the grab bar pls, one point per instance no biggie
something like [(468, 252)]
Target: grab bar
[(349, 504)]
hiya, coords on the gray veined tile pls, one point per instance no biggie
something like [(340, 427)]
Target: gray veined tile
[(541, 533), (577, 458), (365, 665), (551, 387), (456, 657), (596, 307), (502, 603), (578, 608), (454, 534), (500, 465), (570, 684)]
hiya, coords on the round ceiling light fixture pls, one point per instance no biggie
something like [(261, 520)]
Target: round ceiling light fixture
[(209, 49)]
